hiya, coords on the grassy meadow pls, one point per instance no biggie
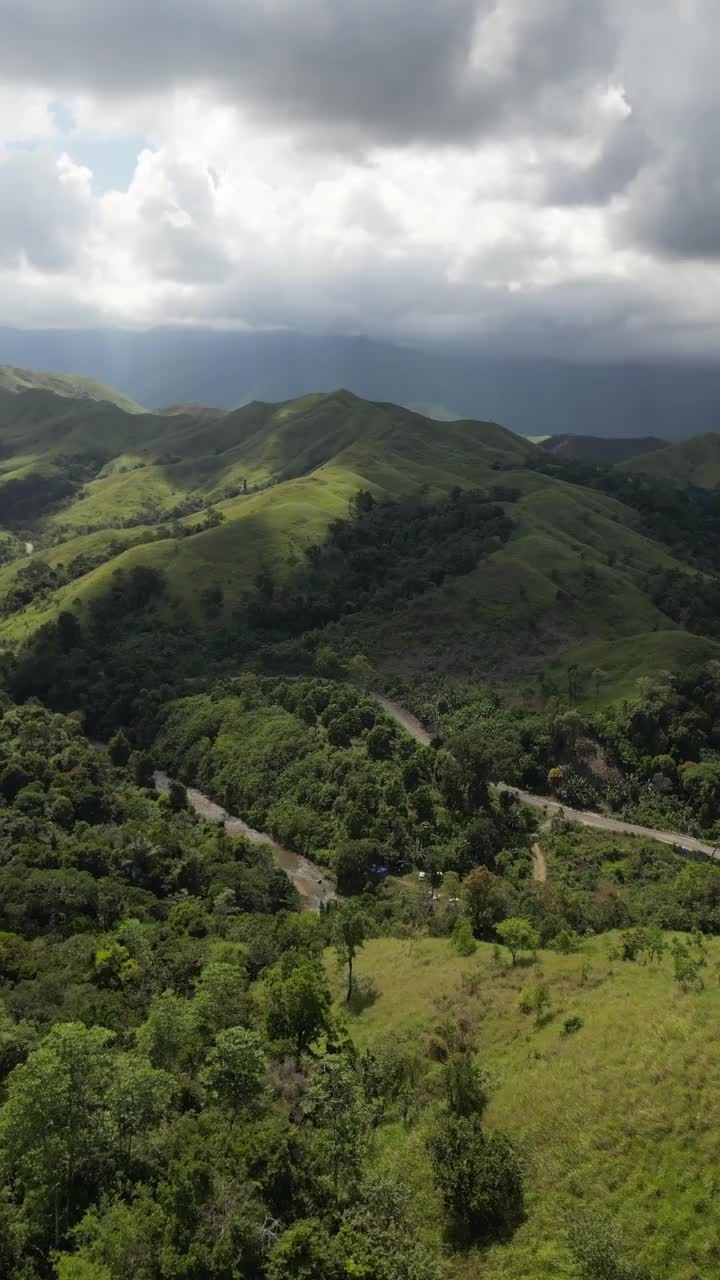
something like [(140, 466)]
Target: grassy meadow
[(619, 1118)]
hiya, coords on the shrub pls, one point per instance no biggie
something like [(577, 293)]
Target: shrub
[(537, 1001), (463, 940), (571, 1024), (480, 1179)]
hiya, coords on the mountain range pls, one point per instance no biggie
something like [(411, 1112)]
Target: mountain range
[(217, 503), (533, 397)]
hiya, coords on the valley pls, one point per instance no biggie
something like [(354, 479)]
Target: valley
[(400, 860)]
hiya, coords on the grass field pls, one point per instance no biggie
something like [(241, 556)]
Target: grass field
[(624, 660), (619, 1118)]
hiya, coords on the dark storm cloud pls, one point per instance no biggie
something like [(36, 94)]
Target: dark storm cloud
[(375, 70), (675, 204), (627, 151), (669, 60)]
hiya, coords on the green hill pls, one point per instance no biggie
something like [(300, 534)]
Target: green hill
[(696, 462), (96, 490), (63, 384), (602, 449)]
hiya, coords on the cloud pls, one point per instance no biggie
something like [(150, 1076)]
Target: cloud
[(45, 210), (525, 175), (380, 70), (621, 155)]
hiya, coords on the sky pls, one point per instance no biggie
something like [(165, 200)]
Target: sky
[(530, 176)]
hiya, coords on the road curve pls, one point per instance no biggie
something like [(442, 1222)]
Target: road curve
[(408, 722), (586, 818)]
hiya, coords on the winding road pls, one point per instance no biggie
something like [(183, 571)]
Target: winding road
[(316, 887), (585, 817)]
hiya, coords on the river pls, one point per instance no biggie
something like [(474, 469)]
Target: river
[(314, 886)]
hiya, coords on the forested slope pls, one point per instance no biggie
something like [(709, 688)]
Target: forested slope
[(421, 1081), (222, 507)]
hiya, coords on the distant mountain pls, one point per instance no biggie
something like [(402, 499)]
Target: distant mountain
[(61, 384), (198, 411), (533, 397), (600, 449), (696, 462)]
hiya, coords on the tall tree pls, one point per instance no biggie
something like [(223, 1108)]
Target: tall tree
[(349, 936), (235, 1068), (297, 1006)]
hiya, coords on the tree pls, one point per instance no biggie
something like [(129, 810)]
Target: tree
[(55, 1129), (306, 1252), (177, 796), (465, 1085), (114, 966), (360, 670), (537, 1001), (168, 1036), (349, 936), (354, 862), (297, 1006), (72, 1113), (634, 942), (485, 900), (463, 940), (138, 1098), (235, 1068), (335, 1104), (119, 749), (687, 967), (378, 1237), (327, 662), (142, 768), (120, 1242), (479, 1177), (655, 943), (480, 843), (380, 742), (221, 999), (518, 935)]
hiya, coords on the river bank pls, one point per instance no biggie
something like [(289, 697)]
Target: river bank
[(314, 885)]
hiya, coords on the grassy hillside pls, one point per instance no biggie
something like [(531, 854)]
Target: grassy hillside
[(63, 384), (600, 449), (572, 572), (128, 489), (696, 462), (616, 1119)]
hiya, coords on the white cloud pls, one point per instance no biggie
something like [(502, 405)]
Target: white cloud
[(538, 175)]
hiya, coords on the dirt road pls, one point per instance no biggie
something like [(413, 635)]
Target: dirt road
[(408, 722), (586, 818), (539, 863)]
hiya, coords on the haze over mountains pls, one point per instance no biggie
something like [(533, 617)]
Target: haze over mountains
[(165, 366)]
